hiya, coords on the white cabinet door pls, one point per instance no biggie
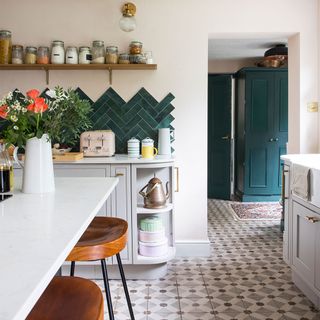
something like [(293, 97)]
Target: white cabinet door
[(86, 171), (304, 242), (121, 205), (317, 269)]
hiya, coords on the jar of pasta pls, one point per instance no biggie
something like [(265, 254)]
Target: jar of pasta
[(112, 54), (98, 52), (124, 58), (17, 54), (43, 55), (135, 47), (5, 46), (31, 55)]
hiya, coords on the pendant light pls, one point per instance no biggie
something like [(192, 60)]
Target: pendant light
[(127, 22)]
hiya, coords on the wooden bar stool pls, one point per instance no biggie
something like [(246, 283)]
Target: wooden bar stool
[(69, 298), (105, 237)]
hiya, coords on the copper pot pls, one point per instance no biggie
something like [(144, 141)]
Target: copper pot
[(155, 197)]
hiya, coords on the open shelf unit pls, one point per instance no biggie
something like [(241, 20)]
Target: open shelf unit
[(141, 174), (51, 67)]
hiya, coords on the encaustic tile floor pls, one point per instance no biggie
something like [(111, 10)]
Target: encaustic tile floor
[(244, 278)]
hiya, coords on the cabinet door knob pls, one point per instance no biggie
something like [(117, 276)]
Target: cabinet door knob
[(312, 219), (276, 139), (119, 174), (271, 140)]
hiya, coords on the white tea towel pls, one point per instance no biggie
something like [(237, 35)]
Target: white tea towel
[(301, 181)]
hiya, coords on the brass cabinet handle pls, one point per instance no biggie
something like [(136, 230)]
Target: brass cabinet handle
[(227, 137), (119, 174), (178, 179), (312, 219)]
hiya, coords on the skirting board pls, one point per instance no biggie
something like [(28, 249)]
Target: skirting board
[(193, 248)]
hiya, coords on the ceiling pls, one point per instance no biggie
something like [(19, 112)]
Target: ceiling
[(230, 49)]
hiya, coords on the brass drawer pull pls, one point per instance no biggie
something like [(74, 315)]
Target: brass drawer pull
[(119, 174), (312, 219)]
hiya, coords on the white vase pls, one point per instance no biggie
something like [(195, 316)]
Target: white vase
[(38, 174)]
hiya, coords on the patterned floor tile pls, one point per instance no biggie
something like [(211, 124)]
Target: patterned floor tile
[(245, 278)]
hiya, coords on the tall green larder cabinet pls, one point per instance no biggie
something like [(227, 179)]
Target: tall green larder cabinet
[(261, 132)]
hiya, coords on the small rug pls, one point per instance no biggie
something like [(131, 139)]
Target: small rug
[(257, 210)]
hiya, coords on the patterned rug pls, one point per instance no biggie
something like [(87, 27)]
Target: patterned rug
[(257, 210)]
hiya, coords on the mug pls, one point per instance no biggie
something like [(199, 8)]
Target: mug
[(149, 152)]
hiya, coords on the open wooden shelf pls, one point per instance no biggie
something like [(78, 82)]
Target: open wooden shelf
[(49, 67), (142, 210)]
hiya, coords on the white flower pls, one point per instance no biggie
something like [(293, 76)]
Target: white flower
[(14, 118), (9, 95), (15, 127), (51, 93), (24, 110)]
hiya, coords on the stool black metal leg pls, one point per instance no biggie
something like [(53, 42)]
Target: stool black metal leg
[(107, 288), (73, 264), (125, 287)]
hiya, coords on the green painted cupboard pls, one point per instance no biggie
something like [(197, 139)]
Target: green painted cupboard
[(261, 132)]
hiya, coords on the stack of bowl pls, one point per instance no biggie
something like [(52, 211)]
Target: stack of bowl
[(152, 239)]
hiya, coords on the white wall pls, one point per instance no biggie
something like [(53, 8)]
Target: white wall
[(177, 33), (230, 65)]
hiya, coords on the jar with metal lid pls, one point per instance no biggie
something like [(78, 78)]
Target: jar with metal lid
[(136, 47), (31, 55), (124, 58), (5, 47), (72, 55), (43, 55), (17, 54), (112, 54), (85, 56), (98, 52), (57, 52)]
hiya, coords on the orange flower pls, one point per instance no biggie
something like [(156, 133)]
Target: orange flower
[(4, 111), (33, 94), (38, 106)]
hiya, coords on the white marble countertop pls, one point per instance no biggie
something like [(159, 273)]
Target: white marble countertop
[(311, 160), (37, 232)]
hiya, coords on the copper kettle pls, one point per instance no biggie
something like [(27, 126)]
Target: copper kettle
[(154, 197)]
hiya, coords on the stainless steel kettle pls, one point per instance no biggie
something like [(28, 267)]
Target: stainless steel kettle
[(154, 197)]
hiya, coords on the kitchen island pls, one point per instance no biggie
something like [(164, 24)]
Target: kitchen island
[(37, 232), (301, 237)]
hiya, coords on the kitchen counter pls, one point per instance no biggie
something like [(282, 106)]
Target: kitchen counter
[(37, 232), (308, 160)]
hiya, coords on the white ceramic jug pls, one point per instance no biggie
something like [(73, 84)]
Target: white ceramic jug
[(164, 141), (38, 174)]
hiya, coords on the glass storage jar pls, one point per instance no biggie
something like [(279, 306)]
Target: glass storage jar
[(5, 47), (135, 58), (57, 52), (72, 55), (148, 56), (17, 54), (31, 55), (98, 52), (112, 54), (43, 55), (85, 56), (136, 47), (124, 58)]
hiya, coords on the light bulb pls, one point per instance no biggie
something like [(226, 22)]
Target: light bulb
[(127, 24)]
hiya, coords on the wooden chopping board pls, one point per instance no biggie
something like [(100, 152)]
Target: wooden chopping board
[(68, 156)]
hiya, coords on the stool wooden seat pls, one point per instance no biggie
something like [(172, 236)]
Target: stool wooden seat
[(69, 298), (105, 237)]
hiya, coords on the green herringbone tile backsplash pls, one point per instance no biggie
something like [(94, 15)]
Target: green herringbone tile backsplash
[(140, 117)]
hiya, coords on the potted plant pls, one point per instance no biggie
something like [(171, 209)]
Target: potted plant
[(34, 121)]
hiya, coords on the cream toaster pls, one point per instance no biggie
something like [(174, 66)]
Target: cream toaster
[(99, 143)]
